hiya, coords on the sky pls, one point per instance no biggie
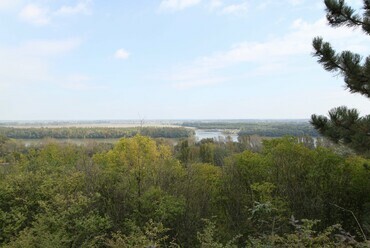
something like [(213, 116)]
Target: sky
[(169, 59)]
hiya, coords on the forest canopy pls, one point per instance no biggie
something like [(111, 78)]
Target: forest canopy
[(94, 132), (143, 192)]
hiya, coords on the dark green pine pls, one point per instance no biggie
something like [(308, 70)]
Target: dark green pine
[(345, 125)]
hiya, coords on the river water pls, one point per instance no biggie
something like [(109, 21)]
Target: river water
[(214, 134)]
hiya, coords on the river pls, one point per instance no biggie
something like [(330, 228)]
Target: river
[(214, 134)]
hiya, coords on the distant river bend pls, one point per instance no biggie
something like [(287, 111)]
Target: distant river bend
[(214, 134)]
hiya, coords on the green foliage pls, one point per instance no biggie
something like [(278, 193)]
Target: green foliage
[(305, 236), (151, 235), (207, 237), (138, 194), (344, 125), (268, 212), (207, 152), (64, 222), (184, 151), (160, 206)]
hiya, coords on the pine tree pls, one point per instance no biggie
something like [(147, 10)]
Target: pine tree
[(345, 125)]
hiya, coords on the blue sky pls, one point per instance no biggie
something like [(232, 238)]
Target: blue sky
[(169, 59)]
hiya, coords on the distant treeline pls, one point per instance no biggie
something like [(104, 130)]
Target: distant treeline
[(266, 129), (279, 129), (94, 133)]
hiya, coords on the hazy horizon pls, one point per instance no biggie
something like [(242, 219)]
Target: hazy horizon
[(151, 120)]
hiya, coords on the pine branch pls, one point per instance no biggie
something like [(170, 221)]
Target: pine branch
[(344, 125), (356, 76), (340, 14), (326, 55)]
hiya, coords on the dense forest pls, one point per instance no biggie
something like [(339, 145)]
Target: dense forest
[(94, 132), (143, 192)]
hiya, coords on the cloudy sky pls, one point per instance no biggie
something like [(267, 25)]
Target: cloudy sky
[(169, 59)]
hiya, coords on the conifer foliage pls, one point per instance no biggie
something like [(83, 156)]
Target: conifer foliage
[(345, 125)]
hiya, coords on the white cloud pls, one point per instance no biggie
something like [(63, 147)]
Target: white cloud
[(80, 82), (236, 8), (266, 4), (268, 56), (188, 77), (225, 7), (297, 42), (214, 4), (183, 85), (8, 4), (35, 14), (18, 69), (31, 62), (121, 54), (176, 5), (77, 81), (296, 2), (82, 7), (41, 15), (48, 48)]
